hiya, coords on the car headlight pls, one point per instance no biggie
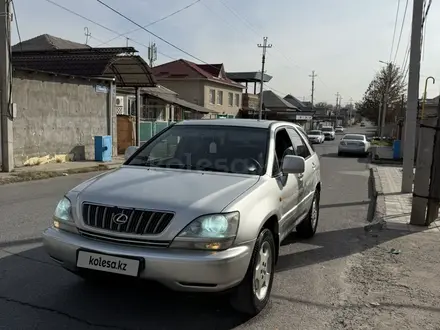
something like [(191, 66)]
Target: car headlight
[(342, 143), (209, 232), (63, 211)]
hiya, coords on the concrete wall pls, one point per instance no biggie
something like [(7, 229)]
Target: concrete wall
[(58, 115)]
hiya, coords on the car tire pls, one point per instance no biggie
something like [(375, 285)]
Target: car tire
[(244, 297), (340, 154), (307, 228)]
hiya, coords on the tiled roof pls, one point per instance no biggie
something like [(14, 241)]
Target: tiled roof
[(181, 69), (47, 42)]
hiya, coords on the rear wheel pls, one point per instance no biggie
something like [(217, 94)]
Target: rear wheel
[(307, 228), (253, 293)]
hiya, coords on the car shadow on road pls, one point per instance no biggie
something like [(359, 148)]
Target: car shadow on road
[(335, 244), (32, 279)]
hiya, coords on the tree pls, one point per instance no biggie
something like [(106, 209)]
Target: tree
[(323, 105), (389, 84)]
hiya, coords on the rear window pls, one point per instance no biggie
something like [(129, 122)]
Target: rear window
[(327, 129), (314, 132), (354, 137)]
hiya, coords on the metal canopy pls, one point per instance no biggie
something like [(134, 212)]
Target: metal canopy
[(129, 70)]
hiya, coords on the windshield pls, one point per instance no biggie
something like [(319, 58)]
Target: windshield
[(354, 137), (327, 129), (315, 133), (225, 149)]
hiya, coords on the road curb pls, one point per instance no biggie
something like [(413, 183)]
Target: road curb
[(24, 176), (377, 202)]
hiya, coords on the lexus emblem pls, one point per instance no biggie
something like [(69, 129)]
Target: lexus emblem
[(120, 218)]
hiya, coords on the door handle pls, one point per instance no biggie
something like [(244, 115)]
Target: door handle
[(300, 176), (313, 166)]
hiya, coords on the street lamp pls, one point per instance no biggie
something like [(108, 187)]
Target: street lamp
[(422, 116)]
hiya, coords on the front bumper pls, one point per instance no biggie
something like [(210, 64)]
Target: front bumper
[(329, 137), (182, 270)]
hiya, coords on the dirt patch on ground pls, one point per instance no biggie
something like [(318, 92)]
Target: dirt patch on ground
[(393, 284), (15, 177)]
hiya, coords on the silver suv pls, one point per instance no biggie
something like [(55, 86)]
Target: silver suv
[(202, 206)]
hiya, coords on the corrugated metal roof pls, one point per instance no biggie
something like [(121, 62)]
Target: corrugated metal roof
[(178, 101), (274, 102), (128, 70), (293, 100), (248, 76)]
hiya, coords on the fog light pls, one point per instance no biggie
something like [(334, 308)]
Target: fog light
[(56, 224), (213, 246)]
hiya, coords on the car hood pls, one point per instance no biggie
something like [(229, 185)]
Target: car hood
[(165, 189)]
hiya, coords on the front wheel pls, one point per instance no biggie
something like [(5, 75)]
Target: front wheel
[(307, 228), (253, 293)]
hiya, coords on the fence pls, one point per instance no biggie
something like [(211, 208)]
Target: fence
[(150, 128)]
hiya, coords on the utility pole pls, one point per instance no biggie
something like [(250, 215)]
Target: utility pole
[(126, 41), (337, 106), (383, 113), (265, 46), (152, 53), (6, 149), (313, 76), (413, 98)]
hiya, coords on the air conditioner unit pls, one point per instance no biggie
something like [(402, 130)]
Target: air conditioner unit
[(120, 106)]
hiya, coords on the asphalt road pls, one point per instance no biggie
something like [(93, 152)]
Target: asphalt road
[(35, 293)]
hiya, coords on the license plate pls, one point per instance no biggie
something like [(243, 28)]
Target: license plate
[(106, 263)]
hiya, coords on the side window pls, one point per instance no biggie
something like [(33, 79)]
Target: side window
[(300, 146), (283, 147)]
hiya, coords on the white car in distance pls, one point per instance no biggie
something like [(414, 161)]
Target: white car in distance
[(354, 144), (339, 129), (316, 136)]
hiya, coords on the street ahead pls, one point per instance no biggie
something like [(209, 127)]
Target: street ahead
[(310, 282)]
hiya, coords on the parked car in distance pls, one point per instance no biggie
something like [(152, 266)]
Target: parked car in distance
[(329, 132), (203, 206), (339, 129), (362, 124), (316, 136), (354, 144)]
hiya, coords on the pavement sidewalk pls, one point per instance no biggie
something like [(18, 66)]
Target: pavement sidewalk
[(397, 274), (50, 170)]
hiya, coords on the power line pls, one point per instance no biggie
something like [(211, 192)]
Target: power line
[(100, 25), (148, 31), (401, 30), (154, 22), (395, 28), (16, 24)]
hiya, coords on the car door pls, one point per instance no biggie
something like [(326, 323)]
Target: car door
[(308, 178), (288, 184)]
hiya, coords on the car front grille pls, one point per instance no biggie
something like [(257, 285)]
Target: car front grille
[(134, 221)]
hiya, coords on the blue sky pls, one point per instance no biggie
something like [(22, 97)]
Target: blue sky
[(342, 40)]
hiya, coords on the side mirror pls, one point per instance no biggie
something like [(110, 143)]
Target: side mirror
[(293, 165), (130, 151)]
